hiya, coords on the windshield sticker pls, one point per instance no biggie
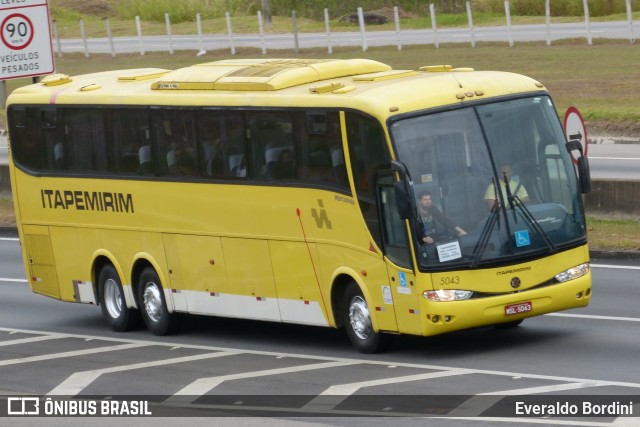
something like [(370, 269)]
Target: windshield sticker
[(386, 295), (522, 238), (426, 178), (449, 251)]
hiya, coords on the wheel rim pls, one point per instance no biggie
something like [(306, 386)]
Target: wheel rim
[(113, 298), (152, 302), (359, 318)]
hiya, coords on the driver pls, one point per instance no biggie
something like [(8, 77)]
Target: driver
[(516, 189)]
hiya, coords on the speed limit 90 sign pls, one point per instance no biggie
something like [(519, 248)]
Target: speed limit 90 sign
[(25, 39), (17, 31)]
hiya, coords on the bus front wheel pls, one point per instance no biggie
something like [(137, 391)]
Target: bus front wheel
[(154, 310), (114, 308), (357, 322)]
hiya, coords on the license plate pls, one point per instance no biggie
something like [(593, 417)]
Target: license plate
[(513, 309)]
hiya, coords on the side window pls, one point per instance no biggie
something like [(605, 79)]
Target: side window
[(176, 143), (557, 187), (26, 145), (222, 144), (273, 151), (368, 152), (322, 159), (131, 143), (85, 140)]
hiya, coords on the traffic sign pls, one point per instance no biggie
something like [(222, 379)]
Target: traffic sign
[(575, 130), (25, 39)]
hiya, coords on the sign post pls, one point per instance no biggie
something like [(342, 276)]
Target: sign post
[(575, 130)]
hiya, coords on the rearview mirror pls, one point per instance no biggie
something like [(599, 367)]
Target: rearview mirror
[(584, 174)]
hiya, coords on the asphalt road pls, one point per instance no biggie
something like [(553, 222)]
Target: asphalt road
[(225, 366), (614, 161)]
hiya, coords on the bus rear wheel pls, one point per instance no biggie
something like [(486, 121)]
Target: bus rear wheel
[(114, 308), (154, 309), (357, 322)]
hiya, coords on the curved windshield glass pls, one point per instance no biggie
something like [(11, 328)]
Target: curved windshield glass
[(491, 181)]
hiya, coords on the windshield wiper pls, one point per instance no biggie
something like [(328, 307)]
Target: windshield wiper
[(494, 217)]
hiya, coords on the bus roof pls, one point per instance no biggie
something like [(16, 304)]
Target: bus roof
[(354, 83)]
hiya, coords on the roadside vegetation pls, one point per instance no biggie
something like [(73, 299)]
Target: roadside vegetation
[(447, 10), (414, 14), (606, 233)]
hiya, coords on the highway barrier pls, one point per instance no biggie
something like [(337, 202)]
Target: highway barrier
[(613, 196)]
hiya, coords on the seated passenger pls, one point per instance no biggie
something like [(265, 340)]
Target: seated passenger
[(285, 168), (180, 162)]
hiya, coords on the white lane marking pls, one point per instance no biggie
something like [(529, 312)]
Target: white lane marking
[(340, 392), (202, 386), (613, 158), (339, 361), (544, 389), (79, 380), (30, 340), (620, 267), (592, 317), (545, 421), (10, 239), (349, 389), (66, 354), (14, 280)]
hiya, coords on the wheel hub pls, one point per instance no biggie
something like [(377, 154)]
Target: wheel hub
[(359, 318), (152, 302), (113, 298)]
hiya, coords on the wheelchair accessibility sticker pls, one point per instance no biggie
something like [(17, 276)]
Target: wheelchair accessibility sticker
[(522, 238), (403, 288), (402, 278)]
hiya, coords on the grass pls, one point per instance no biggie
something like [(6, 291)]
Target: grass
[(613, 234)]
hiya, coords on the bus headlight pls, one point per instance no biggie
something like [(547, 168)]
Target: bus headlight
[(447, 295), (573, 273)]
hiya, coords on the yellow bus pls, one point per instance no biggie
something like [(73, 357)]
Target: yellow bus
[(292, 190)]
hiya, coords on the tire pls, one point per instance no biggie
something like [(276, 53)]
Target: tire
[(112, 303), (357, 322), (153, 305)]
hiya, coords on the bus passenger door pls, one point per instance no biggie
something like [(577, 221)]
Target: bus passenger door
[(397, 254)]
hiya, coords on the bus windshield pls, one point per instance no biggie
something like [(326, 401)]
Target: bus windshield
[(492, 182)]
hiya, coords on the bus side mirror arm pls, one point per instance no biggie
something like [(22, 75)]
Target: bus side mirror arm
[(584, 173)]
